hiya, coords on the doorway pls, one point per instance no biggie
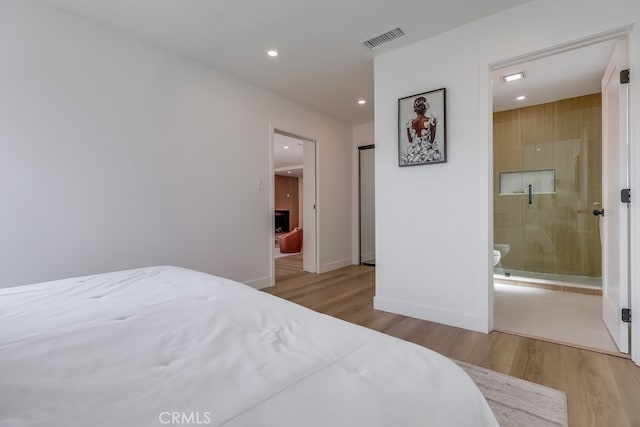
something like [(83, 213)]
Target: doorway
[(547, 158), (294, 238)]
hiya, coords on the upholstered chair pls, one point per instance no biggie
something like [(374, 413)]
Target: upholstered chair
[(291, 242)]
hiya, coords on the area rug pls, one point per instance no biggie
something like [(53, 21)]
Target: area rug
[(519, 403)]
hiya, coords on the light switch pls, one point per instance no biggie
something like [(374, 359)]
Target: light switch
[(260, 184)]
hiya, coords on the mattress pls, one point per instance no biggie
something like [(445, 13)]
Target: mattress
[(171, 346)]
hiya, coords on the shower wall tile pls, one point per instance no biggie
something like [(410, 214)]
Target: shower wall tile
[(557, 233)]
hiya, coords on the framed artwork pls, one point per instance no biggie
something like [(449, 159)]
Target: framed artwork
[(422, 128)]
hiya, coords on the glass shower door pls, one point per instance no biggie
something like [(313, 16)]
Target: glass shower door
[(547, 168)]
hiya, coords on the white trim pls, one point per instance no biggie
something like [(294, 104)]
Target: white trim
[(312, 267), (272, 204), (486, 128), (561, 47), (431, 313), (634, 181), (263, 282), (330, 266), (278, 130), (371, 255)]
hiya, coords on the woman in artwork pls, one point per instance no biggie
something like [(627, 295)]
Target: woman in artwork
[(422, 126), (421, 132)]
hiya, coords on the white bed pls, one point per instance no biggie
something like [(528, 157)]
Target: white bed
[(168, 346)]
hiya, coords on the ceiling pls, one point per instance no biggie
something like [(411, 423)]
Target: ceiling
[(287, 155), (322, 64), (564, 75)]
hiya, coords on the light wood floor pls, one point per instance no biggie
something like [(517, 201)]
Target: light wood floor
[(288, 265), (602, 390)]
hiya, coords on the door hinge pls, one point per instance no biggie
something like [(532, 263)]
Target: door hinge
[(625, 195), (624, 76), (626, 315)]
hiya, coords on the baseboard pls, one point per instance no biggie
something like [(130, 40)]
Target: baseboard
[(458, 319), (372, 255), (330, 266), (264, 282)]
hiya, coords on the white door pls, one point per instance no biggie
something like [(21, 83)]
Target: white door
[(615, 221), (309, 229)]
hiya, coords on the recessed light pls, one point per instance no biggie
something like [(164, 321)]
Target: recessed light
[(521, 98), (272, 53), (288, 171), (538, 149), (286, 146), (513, 77), (362, 101)]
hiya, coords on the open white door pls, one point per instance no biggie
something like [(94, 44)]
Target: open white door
[(615, 221), (309, 259)]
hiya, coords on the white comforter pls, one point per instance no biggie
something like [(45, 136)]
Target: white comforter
[(170, 346)]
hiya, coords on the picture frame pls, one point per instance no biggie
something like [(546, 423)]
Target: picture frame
[(422, 128)]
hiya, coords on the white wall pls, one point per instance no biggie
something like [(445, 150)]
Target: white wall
[(115, 154), (434, 223), (363, 134)]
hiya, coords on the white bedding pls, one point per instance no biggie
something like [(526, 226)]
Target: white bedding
[(170, 346)]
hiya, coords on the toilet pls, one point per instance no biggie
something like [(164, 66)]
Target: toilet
[(499, 250), (496, 257)]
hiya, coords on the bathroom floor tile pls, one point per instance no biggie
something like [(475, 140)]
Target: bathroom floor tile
[(558, 316)]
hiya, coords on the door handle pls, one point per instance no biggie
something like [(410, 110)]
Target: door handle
[(596, 211)]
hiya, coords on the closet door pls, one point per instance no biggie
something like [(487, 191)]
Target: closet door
[(367, 205)]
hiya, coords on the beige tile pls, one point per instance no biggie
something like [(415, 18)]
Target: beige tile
[(557, 316), (565, 136)]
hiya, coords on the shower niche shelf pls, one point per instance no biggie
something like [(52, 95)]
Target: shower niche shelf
[(517, 183)]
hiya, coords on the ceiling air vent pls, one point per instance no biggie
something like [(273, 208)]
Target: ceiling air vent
[(382, 39)]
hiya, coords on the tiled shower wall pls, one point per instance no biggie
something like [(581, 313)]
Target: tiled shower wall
[(557, 232)]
